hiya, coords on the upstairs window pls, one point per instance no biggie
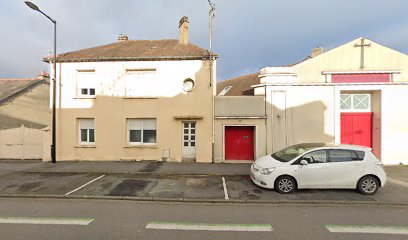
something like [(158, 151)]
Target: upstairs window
[(86, 83), (355, 102), (86, 131), (141, 82), (141, 131)]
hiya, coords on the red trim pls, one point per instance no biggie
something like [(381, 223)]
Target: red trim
[(363, 78)]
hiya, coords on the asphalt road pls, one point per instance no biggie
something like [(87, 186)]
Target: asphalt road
[(97, 219)]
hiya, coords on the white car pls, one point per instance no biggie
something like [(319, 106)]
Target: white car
[(319, 165)]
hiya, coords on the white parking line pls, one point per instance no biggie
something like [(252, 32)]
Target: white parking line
[(396, 181), (225, 189), (47, 221), (210, 227), (367, 229), (76, 189)]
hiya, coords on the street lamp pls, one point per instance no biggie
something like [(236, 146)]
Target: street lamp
[(54, 88)]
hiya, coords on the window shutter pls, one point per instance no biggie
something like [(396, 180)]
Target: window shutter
[(86, 123), (86, 80), (149, 124), (135, 124), (141, 83)]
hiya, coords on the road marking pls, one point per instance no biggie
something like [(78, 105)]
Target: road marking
[(396, 181), (76, 189), (48, 221), (367, 229), (225, 188), (209, 227)]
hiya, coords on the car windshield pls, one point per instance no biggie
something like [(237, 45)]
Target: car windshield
[(290, 153)]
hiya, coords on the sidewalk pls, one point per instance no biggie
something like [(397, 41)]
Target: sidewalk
[(146, 167)]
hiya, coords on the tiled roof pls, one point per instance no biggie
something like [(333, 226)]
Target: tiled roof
[(166, 49), (11, 88), (240, 86)]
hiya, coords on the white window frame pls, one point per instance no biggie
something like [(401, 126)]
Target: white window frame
[(80, 86), (352, 109), (143, 123), (86, 124)]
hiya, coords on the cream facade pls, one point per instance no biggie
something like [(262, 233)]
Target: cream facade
[(136, 100), (346, 95), (24, 112), (159, 97)]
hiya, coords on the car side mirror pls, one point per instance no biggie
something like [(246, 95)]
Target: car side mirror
[(303, 162)]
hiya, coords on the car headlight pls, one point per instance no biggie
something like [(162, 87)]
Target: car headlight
[(267, 171)]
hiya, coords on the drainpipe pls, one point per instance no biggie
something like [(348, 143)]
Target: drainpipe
[(266, 124)]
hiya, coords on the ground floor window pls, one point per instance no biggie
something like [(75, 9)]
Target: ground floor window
[(86, 130), (141, 131)]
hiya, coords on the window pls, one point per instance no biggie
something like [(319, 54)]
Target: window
[(141, 131), (141, 82), (86, 131), (360, 155), (355, 102), (188, 85), (316, 157), (340, 155), (86, 83), (224, 91)]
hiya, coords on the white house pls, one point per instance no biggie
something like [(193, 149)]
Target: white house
[(352, 94)]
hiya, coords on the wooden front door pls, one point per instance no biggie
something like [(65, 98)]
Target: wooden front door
[(356, 128), (239, 143)]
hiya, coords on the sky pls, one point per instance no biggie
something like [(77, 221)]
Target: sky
[(247, 35)]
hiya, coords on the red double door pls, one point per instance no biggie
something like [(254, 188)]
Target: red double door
[(356, 128), (239, 143)]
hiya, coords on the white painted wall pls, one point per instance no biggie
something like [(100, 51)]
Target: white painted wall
[(110, 79)]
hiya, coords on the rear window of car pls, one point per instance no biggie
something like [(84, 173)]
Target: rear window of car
[(360, 155), (342, 155)]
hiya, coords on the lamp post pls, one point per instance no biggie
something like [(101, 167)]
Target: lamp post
[(54, 88)]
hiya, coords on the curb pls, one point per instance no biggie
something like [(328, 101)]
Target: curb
[(206, 200)]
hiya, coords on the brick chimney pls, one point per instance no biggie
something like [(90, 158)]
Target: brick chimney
[(183, 26), (316, 51), (122, 38)]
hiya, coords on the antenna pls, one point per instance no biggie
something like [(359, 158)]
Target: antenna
[(211, 16)]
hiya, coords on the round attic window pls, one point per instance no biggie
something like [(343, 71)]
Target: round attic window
[(188, 85)]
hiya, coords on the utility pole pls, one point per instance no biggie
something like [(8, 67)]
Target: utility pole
[(54, 82), (211, 84)]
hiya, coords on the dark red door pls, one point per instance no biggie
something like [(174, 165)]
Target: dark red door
[(239, 143), (356, 128)]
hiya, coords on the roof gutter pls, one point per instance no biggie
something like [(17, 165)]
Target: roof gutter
[(106, 59)]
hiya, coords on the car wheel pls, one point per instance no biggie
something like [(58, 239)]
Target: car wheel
[(368, 185), (285, 184)]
